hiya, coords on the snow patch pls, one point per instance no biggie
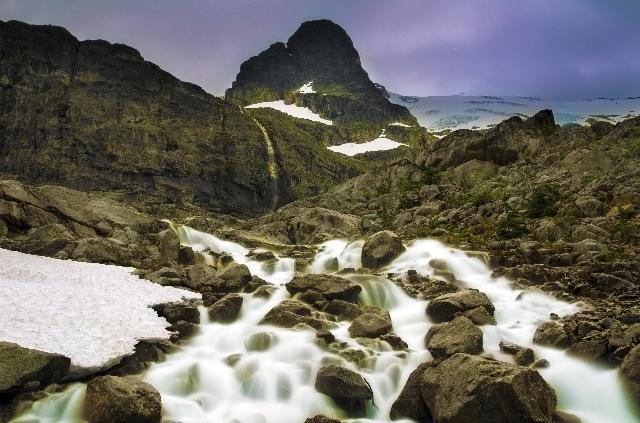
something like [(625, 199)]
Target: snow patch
[(291, 110), (379, 144), (404, 125), (92, 313), (306, 88)]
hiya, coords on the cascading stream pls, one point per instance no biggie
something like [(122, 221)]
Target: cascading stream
[(250, 373)]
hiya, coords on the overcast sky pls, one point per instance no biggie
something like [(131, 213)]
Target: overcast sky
[(567, 49)]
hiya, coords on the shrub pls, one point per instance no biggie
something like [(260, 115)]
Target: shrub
[(543, 198), (513, 226)]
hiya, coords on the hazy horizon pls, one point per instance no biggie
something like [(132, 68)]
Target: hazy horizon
[(575, 50)]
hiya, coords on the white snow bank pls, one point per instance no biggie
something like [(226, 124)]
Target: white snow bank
[(291, 110), (379, 144), (306, 88), (404, 125), (92, 313)]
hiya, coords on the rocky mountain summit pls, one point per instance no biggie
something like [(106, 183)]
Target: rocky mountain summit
[(322, 54)]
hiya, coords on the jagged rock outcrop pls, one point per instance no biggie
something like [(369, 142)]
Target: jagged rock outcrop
[(320, 52), (27, 369), (93, 115)]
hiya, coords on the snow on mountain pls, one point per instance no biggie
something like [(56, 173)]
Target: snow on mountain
[(92, 313), (381, 143), (306, 88), (291, 110), (440, 113)]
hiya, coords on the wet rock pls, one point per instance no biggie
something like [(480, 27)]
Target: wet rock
[(201, 276), (562, 417), (234, 278), (260, 341), (593, 349), (264, 291), (369, 325), (480, 316), (186, 255), (410, 404), (445, 307), (394, 341), (552, 334), (630, 371), (321, 419), (470, 389), (226, 309), (457, 336), (113, 399), (311, 297), (344, 310), (27, 369), (325, 336), (380, 249), (522, 356), (346, 387), (175, 312), (331, 287), (289, 313)]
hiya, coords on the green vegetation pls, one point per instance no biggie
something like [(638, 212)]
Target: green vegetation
[(542, 201), (512, 226)]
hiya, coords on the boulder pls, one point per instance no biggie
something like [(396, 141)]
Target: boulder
[(552, 334), (590, 206), (444, 308), (457, 336), (331, 287), (181, 311), (113, 399), (630, 371), (409, 403), (380, 249), (234, 277), (201, 276), (346, 387), (344, 310), (186, 255), (321, 419), (369, 325), (226, 309), (27, 369), (470, 389), (289, 313)]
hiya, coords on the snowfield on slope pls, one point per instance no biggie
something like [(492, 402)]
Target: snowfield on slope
[(92, 313), (291, 110), (381, 143)]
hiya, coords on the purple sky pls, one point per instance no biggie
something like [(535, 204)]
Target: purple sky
[(567, 49)]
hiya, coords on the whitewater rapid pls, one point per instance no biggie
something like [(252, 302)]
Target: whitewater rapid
[(244, 372)]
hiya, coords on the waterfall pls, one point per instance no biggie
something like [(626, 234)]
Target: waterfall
[(244, 372)]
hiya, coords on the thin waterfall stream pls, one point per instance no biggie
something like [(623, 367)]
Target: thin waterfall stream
[(245, 372)]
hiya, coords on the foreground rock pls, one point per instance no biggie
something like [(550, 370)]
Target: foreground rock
[(289, 313), (27, 369), (410, 403), (347, 388), (226, 309), (113, 399), (380, 249), (457, 336), (331, 287), (470, 389), (370, 325), (321, 419), (444, 308)]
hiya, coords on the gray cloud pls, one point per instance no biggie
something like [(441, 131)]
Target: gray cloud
[(545, 48)]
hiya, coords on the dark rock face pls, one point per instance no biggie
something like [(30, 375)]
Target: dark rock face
[(92, 115), (466, 389), (331, 287), (346, 387), (226, 309), (456, 336), (322, 52), (380, 249), (113, 399), (410, 403), (23, 368), (289, 313), (445, 307)]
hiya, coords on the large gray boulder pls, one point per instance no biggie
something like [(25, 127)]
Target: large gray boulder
[(26, 369), (226, 309), (112, 399), (346, 387), (470, 389), (457, 336), (409, 403), (331, 287), (444, 308), (380, 249)]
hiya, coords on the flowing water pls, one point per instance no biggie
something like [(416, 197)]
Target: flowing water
[(271, 162), (244, 372)]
